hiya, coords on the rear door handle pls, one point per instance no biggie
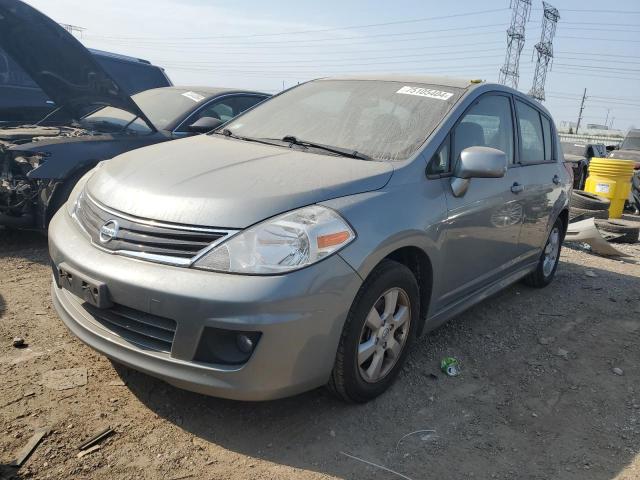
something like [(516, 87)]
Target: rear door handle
[(517, 188), (556, 179)]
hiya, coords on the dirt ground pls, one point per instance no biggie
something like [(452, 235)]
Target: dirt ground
[(537, 397)]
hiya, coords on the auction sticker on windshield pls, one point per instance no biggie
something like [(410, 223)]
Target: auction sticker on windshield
[(196, 97), (425, 92)]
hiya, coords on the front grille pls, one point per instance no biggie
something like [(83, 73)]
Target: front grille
[(142, 236), (146, 331)]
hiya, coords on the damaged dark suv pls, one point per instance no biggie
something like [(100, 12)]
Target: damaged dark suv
[(40, 164)]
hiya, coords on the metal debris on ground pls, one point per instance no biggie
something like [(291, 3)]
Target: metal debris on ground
[(19, 342), (98, 437), (381, 467), (88, 451), (30, 446), (617, 371), (450, 366), (423, 437), (585, 231), (66, 378), (590, 273)]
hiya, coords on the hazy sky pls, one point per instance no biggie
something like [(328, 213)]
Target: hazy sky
[(241, 44)]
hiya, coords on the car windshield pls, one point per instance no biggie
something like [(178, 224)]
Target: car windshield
[(573, 149), (631, 142), (383, 120), (162, 106)]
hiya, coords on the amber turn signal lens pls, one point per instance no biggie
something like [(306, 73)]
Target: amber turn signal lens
[(333, 239)]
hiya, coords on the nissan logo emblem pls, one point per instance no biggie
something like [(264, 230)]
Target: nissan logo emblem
[(109, 231)]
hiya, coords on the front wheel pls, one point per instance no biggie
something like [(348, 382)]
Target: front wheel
[(548, 263), (380, 327)]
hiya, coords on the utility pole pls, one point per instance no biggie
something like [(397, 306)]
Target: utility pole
[(544, 48), (509, 73), (73, 29), (584, 97)]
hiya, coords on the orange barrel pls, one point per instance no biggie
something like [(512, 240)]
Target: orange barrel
[(611, 178)]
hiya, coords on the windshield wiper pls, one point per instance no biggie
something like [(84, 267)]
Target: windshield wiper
[(345, 152), (228, 133)]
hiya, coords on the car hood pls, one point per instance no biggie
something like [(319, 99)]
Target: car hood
[(626, 155), (61, 66), (210, 180), (573, 158)]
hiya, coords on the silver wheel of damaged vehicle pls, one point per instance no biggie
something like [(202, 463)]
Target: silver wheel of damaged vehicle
[(377, 334), (384, 335), (551, 251), (548, 263)]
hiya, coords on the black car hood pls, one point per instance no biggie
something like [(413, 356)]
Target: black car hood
[(61, 66)]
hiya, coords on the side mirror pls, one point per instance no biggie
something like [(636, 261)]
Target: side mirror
[(611, 148), (477, 162), (205, 124)]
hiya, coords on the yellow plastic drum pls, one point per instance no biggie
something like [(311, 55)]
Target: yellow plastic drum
[(611, 178)]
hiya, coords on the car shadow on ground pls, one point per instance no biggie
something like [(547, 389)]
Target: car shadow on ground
[(25, 244), (536, 398)]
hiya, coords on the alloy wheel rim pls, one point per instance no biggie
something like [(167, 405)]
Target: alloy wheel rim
[(551, 252), (384, 335)]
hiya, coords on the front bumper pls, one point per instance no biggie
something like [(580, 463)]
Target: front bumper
[(300, 316)]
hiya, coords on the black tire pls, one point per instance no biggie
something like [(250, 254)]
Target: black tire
[(576, 214), (589, 201), (346, 380), (630, 231), (540, 278), (583, 178)]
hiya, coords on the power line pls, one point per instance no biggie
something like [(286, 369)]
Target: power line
[(334, 29), (315, 63), (308, 43), (603, 39), (275, 42)]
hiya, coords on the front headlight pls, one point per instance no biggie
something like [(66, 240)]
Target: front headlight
[(281, 244), (78, 190), (74, 200)]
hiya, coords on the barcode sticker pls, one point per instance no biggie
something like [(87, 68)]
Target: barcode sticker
[(425, 92), (602, 188)]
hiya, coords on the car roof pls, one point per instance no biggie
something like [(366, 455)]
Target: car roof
[(426, 79), (210, 91)]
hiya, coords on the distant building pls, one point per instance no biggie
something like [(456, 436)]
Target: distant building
[(591, 129)]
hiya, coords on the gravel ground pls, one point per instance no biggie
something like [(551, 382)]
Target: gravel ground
[(538, 397)]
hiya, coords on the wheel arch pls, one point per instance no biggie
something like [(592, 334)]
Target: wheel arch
[(62, 191), (417, 260)]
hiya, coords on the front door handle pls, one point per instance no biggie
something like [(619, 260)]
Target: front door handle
[(556, 179), (517, 188)]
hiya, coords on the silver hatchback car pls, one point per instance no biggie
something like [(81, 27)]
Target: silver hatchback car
[(311, 240)]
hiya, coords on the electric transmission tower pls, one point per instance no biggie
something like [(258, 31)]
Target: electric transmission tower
[(544, 48), (73, 29), (509, 74)]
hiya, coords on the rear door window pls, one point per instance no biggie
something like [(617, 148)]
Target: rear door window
[(531, 135)]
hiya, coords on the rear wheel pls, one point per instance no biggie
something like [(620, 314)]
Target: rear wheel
[(380, 327), (548, 263)]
